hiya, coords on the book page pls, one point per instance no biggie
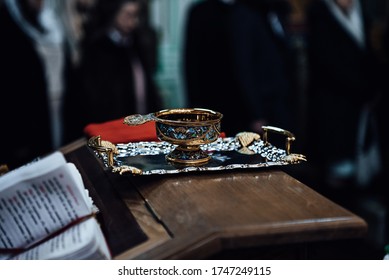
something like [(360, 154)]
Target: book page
[(36, 206), (32, 169), (81, 241)]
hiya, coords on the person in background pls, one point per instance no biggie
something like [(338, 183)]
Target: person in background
[(35, 65), (343, 84), (75, 15), (115, 72), (232, 64), (264, 61)]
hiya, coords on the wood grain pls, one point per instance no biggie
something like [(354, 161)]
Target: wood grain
[(198, 215)]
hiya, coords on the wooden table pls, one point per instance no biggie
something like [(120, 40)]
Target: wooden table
[(203, 215)]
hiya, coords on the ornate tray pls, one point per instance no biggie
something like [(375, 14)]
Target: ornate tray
[(245, 150)]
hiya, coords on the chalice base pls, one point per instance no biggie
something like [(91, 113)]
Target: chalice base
[(188, 156)]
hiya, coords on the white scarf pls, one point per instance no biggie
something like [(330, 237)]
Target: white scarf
[(49, 45), (352, 23), (47, 18)]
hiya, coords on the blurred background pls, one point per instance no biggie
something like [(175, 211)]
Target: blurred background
[(290, 24)]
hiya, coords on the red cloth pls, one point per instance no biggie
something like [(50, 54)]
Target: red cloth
[(116, 131)]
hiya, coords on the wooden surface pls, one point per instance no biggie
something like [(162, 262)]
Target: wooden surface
[(119, 225), (197, 215)]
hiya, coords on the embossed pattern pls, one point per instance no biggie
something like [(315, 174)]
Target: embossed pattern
[(206, 133), (224, 151)]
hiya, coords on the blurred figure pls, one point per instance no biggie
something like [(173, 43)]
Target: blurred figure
[(34, 64), (343, 87), (383, 113), (233, 65), (264, 61), (76, 15), (116, 75), (209, 76)]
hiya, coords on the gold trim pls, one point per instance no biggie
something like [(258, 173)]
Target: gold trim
[(289, 136), (3, 169), (103, 146)]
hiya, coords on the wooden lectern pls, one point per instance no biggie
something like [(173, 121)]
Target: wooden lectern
[(260, 213)]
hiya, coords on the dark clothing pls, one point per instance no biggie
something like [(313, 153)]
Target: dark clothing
[(209, 67), (232, 65), (24, 103), (342, 79), (107, 83), (261, 67)]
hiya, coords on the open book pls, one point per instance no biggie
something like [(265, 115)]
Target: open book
[(46, 213)]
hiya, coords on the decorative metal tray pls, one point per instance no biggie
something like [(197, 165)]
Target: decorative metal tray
[(245, 150)]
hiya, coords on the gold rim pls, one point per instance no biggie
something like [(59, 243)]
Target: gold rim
[(213, 116)]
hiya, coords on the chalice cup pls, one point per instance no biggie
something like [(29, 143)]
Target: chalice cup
[(188, 128)]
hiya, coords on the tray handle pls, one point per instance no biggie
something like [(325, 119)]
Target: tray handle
[(110, 149), (101, 146), (289, 136)]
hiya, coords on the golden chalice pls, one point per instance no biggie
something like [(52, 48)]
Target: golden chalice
[(187, 128)]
